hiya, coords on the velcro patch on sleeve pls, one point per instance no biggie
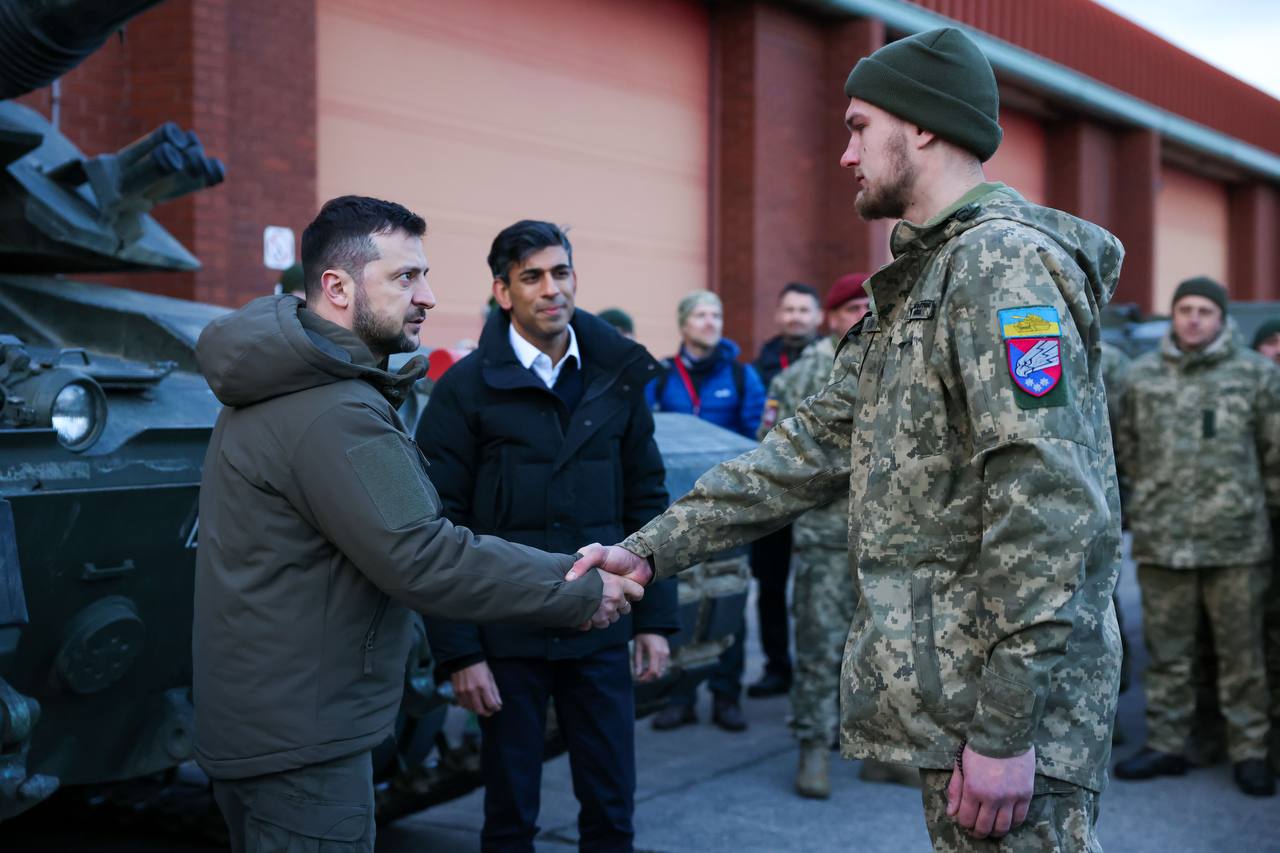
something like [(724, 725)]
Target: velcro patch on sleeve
[(393, 480), (1032, 337)]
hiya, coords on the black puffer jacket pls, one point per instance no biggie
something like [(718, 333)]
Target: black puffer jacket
[(504, 465)]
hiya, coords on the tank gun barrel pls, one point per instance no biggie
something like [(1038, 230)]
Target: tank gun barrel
[(40, 40)]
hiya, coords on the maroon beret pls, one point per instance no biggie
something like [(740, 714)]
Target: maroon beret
[(846, 287)]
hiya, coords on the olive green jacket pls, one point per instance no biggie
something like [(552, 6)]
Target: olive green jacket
[(984, 522), (1199, 446), (320, 533)]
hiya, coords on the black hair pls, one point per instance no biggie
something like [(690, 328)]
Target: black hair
[(800, 287), (341, 236), (517, 242)]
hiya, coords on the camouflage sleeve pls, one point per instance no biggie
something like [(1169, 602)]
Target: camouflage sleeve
[(1047, 488), (1269, 437), (803, 463)]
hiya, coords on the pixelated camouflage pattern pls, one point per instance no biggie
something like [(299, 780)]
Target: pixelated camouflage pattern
[(826, 526), (985, 535), (1115, 367), (1199, 448), (1232, 598), (1061, 819), (823, 600)]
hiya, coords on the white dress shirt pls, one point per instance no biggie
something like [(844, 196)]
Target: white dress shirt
[(538, 361)]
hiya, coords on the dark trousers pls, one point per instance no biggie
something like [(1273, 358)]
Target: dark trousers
[(771, 564), (318, 807), (595, 707), (726, 678)]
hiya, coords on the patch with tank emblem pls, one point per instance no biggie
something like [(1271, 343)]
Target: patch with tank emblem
[(1032, 337)]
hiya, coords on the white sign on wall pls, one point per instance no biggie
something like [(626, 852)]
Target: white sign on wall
[(277, 247)]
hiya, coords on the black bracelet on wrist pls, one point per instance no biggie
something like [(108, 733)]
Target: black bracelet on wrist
[(960, 755)]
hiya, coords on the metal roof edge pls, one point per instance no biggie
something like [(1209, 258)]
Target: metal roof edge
[(1070, 85)]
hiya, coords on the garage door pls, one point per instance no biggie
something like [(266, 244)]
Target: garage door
[(589, 113), (1191, 232)]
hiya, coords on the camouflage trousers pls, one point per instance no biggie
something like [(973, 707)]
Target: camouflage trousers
[(822, 604), (1271, 621), (1232, 597), (1061, 819)]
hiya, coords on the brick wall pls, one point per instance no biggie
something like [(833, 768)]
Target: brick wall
[(242, 76)]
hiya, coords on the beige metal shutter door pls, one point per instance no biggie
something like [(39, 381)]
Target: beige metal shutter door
[(589, 113)]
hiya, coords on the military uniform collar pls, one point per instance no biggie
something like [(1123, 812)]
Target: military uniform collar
[(1219, 348), (950, 221)]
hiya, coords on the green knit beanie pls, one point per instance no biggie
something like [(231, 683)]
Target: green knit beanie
[(1204, 286), (1266, 330), (938, 81)]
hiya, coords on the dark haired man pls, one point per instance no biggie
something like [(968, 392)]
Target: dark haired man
[(542, 436), (798, 316), (967, 420), (321, 533)]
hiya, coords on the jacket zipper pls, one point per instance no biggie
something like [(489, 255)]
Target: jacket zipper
[(372, 634)]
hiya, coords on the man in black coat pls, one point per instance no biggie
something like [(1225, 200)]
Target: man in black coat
[(542, 436)]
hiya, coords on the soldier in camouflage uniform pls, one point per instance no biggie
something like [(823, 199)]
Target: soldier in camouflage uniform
[(1199, 442), (1266, 341), (823, 598), (966, 419)]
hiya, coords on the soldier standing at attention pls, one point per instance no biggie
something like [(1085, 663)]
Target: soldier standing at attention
[(1267, 342), (966, 419), (823, 597), (1199, 443)]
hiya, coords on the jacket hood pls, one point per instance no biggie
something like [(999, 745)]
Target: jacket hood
[(274, 346), (1094, 249), (1223, 346)]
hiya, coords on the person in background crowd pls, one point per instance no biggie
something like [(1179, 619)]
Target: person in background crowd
[(824, 596), (1199, 444), (543, 436), (1267, 342), (798, 316), (291, 282), (621, 322), (706, 379)]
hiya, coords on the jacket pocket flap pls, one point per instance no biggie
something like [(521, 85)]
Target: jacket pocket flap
[(1004, 694), (314, 819)]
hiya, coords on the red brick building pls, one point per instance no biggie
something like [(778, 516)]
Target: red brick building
[(688, 143)]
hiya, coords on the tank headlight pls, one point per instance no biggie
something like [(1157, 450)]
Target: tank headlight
[(69, 402)]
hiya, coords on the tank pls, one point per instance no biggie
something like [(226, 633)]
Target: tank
[(104, 423)]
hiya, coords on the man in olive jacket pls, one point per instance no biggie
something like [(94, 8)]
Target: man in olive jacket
[(966, 418), (542, 436), (320, 532), (1199, 446)]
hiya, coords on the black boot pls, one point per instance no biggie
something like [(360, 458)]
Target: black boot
[(770, 684), (1253, 776), (674, 716), (727, 714), (1149, 763)]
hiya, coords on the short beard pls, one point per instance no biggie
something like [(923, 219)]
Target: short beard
[(382, 337), (890, 200)]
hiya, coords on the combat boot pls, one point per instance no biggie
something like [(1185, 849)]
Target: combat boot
[(813, 777), (1253, 777)]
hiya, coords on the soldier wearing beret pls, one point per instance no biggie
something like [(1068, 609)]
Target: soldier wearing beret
[(966, 419)]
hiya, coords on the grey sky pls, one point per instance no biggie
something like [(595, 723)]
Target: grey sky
[(1242, 37)]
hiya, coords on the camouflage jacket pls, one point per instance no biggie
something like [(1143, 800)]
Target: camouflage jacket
[(826, 526), (985, 516), (1199, 446)]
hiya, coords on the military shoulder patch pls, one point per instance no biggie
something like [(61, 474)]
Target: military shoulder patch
[(1032, 337), (770, 417)]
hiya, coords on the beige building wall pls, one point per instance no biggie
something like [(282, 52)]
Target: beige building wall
[(1191, 232), (588, 113)]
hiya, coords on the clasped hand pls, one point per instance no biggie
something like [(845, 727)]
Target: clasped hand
[(991, 796), (625, 576)]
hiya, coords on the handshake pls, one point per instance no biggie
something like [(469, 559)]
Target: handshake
[(625, 576)]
